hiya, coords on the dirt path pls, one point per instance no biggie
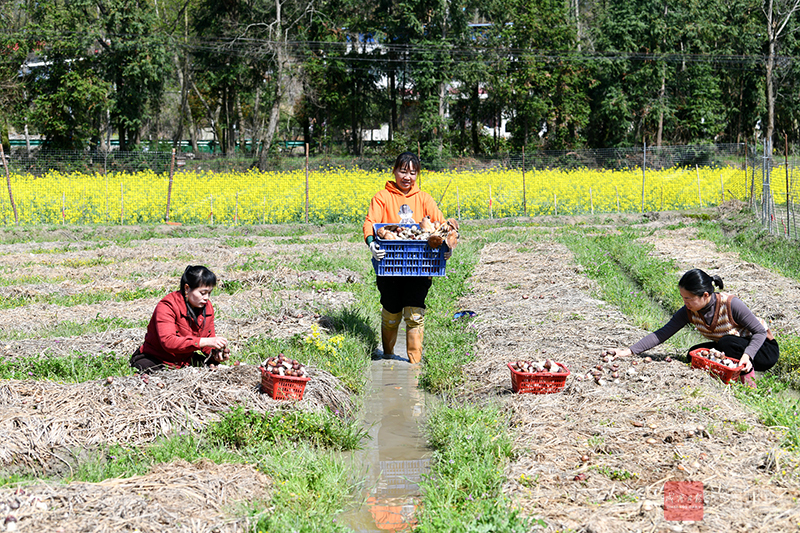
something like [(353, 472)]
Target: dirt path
[(533, 302)]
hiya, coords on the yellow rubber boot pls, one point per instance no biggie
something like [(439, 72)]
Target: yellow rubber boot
[(415, 329), (390, 322)]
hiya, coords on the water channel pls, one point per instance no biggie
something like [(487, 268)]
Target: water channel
[(395, 456)]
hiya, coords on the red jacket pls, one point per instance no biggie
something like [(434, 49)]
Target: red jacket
[(171, 336), (386, 203)]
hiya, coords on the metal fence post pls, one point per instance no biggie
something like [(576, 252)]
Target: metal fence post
[(8, 181), (644, 167)]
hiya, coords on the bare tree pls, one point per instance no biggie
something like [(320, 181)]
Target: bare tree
[(778, 14), (276, 46)]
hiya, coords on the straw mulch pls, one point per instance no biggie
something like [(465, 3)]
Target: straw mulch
[(39, 420), (536, 304), (178, 496)]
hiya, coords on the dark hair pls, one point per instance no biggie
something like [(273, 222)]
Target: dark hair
[(406, 159), (698, 282), (197, 276)]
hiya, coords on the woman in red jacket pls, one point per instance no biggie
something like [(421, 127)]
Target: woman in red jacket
[(181, 331)]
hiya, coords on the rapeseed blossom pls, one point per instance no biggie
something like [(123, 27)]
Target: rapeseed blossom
[(342, 195)]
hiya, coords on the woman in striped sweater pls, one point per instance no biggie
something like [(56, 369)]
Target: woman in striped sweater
[(723, 319)]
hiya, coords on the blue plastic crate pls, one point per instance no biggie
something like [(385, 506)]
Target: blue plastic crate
[(409, 258)]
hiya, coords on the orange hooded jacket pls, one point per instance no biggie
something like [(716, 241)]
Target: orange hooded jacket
[(385, 205)]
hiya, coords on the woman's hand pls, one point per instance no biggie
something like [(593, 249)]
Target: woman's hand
[(377, 253), (622, 352), (216, 343), (748, 364), (221, 355)]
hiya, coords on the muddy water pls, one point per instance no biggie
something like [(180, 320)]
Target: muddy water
[(395, 456)]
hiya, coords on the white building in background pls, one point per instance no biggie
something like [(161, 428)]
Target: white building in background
[(381, 134)]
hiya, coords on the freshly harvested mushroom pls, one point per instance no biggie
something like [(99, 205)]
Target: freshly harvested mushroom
[(386, 235)]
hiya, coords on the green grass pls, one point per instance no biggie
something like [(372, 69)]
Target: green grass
[(240, 428), (788, 366), (73, 368), (85, 263), (83, 298), (27, 280), (745, 236), (309, 484), (103, 235), (472, 445), (311, 260), (68, 328), (309, 489), (239, 242), (778, 406), (255, 262), (449, 344), (631, 280)]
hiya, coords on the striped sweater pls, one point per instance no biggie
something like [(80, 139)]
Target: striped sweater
[(725, 314)]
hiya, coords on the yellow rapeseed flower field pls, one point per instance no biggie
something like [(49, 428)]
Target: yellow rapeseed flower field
[(342, 195)]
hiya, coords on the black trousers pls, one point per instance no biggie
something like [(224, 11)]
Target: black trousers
[(146, 363), (398, 292), (734, 346)]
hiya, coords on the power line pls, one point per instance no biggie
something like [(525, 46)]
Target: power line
[(368, 50)]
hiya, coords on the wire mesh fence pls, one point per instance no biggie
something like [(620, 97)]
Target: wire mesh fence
[(150, 187), (774, 190)]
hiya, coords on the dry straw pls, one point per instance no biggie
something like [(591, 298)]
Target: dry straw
[(178, 496), (41, 420)]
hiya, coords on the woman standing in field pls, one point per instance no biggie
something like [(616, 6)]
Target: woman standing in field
[(723, 319), (402, 296), (181, 330)]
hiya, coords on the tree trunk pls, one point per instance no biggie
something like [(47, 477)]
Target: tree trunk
[(184, 101), (741, 106), (242, 140), (275, 111), (474, 106), (306, 132), (661, 93), (27, 141), (212, 115), (230, 119), (193, 132), (272, 124), (770, 90), (393, 104), (442, 110), (354, 114)]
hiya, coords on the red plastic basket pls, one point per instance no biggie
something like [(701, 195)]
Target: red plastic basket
[(282, 387), (717, 369), (539, 383)]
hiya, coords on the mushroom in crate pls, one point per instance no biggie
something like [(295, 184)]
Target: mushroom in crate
[(538, 377), (283, 378)]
